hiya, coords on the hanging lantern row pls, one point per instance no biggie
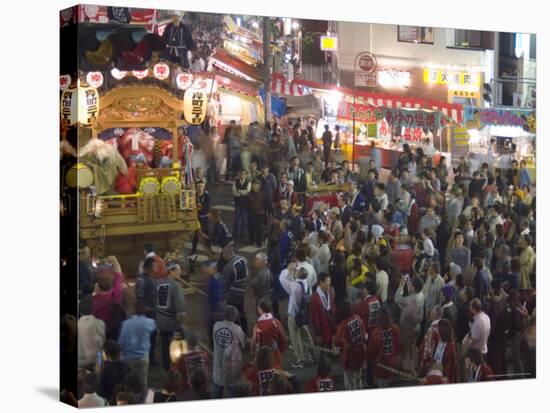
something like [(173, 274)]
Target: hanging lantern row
[(79, 104)]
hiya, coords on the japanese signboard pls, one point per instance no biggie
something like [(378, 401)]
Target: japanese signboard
[(460, 142), (365, 66), (411, 118), (329, 43), (195, 103), (449, 77), (477, 118), (410, 134), (363, 113), (394, 78)]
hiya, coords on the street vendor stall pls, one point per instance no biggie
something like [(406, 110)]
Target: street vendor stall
[(516, 127)]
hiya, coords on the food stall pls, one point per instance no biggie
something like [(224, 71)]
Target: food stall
[(506, 125)]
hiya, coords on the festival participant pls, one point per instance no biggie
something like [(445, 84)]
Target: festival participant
[(170, 309), (445, 352), (351, 338), (91, 335), (198, 390), (203, 206), (171, 388), (369, 307), (480, 329), (262, 282), (113, 372), (322, 381), (322, 312), (90, 398), (146, 292), (108, 291), (193, 360), (241, 189), (256, 215), (235, 277), (263, 372), (432, 288), (476, 369), (294, 281), (269, 331), (431, 339), (434, 375), (412, 314), (135, 342), (149, 251), (384, 348), (229, 342)]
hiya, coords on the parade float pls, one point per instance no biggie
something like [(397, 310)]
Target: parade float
[(127, 200)]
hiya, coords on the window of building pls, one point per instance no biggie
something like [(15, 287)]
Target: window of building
[(473, 39), (415, 34)]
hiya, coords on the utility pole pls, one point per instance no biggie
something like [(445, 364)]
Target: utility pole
[(496, 73), (267, 66)]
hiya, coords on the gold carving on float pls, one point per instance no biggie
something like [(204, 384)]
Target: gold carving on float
[(137, 107)]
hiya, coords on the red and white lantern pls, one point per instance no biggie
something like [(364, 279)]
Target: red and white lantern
[(140, 74), (95, 79), (64, 81), (118, 74), (184, 80), (161, 71)]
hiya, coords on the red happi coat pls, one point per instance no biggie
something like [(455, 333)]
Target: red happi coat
[(260, 379), (270, 332), (319, 384), (384, 348), (483, 374), (321, 319), (435, 377), (447, 359), (428, 346), (350, 336), (368, 309), (190, 362)]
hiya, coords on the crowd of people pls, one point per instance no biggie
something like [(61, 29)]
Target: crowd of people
[(424, 274)]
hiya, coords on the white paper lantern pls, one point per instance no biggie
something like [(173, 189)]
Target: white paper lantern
[(161, 71), (195, 103), (184, 80), (64, 81), (95, 79), (140, 74), (118, 74), (79, 104)]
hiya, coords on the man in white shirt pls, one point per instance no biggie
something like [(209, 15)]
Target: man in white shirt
[(382, 279), (480, 329), (427, 244), (91, 335), (412, 313), (301, 262), (293, 281)]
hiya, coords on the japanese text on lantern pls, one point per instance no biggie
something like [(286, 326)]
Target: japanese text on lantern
[(197, 110)]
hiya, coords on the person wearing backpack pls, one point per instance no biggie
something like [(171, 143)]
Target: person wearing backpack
[(293, 280)]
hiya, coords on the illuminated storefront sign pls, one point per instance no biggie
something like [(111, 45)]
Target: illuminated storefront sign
[(329, 43), (394, 78), (451, 77), (363, 113)]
